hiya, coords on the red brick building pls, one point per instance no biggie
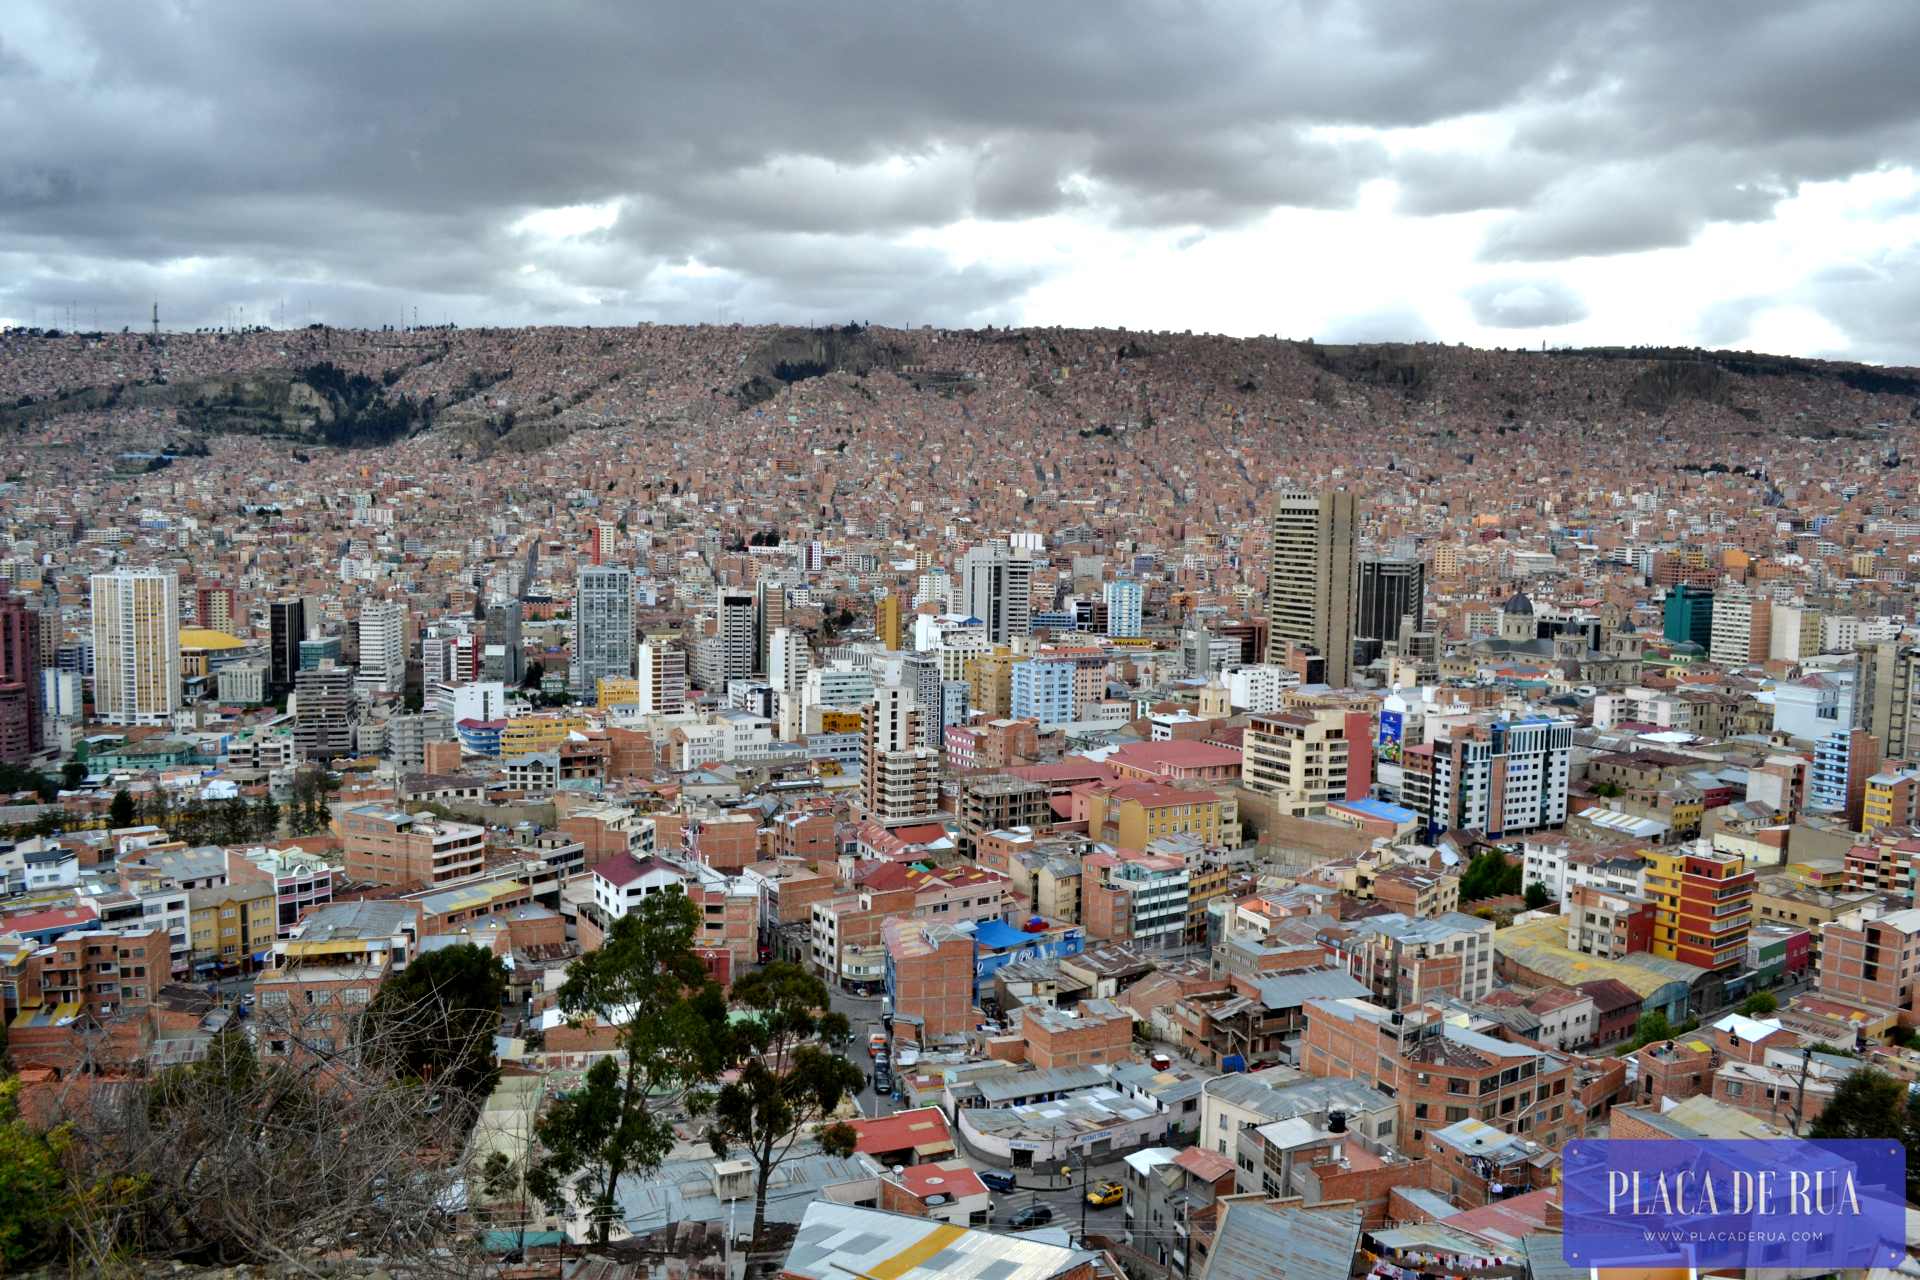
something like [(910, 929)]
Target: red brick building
[(929, 975)]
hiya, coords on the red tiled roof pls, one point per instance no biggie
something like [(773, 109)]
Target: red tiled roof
[(1184, 754), (36, 921), (901, 1131), (1208, 1166), (925, 1180), (625, 869)]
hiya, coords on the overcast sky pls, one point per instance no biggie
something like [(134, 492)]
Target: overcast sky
[(1731, 174)]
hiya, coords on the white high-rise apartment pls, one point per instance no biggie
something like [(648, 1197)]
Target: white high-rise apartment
[(383, 646), (999, 590), (1123, 607), (788, 659), (1312, 578), (663, 679), (1742, 627), (136, 646), (602, 629)]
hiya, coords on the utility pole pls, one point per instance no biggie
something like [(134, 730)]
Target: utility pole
[(1800, 1095)]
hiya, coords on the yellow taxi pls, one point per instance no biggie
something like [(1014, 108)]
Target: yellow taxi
[(1105, 1194)]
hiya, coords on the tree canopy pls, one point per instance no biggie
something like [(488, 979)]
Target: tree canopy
[(788, 1084), (436, 1019), (647, 981)]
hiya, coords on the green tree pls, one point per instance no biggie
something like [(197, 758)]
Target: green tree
[(1537, 896), (31, 1185), (536, 672), (1759, 1004), (121, 812), (1872, 1104), (435, 1020), (1489, 875), (647, 981), (73, 773), (1652, 1026), (788, 1084), (264, 819)]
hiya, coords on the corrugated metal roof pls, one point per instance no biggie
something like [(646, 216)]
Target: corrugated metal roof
[(1258, 1242)]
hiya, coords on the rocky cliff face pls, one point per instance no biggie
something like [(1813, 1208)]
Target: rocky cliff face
[(798, 354)]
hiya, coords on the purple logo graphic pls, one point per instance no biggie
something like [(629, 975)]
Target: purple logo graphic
[(1786, 1203)]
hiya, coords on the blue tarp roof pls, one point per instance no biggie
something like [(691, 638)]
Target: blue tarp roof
[(998, 935), (1381, 809)]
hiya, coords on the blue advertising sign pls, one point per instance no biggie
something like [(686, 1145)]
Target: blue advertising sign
[(1793, 1203), (1392, 725)]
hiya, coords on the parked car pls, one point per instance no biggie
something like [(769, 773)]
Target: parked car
[(1034, 1215), (997, 1180), (882, 1081), (1105, 1194)]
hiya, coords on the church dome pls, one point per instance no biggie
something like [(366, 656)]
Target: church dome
[(1518, 604)]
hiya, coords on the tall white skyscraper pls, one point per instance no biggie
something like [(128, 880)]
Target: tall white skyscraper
[(602, 629), (1123, 607), (999, 590), (136, 646), (788, 659), (383, 646)]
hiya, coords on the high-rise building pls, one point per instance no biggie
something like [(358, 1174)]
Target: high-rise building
[(1391, 589), (1123, 599), (1702, 906), (602, 629), (1742, 628), (136, 646), (1687, 616), (662, 678), (503, 630), (287, 621), (886, 621), (1498, 777), (769, 615), (901, 778), (602, 541), (323, 712), (1310, 583), (999, 590), (1043, 691), (736, 613), (20, 720), (788, 658), (213, 607), (383, 646), (1887, 697)]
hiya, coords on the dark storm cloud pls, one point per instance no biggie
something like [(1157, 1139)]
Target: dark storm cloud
[(379, 151), (1525, 304)]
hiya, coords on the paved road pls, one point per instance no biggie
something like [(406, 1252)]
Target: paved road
[(861, 1013), (1036, 1187)]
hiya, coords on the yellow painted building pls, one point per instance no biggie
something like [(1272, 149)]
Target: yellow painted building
[(618, 691), (990, 681), (887, 620), (1133, 815), (230, 924), (1889, 800), (839, 721), (200, 645), (526, 735)]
